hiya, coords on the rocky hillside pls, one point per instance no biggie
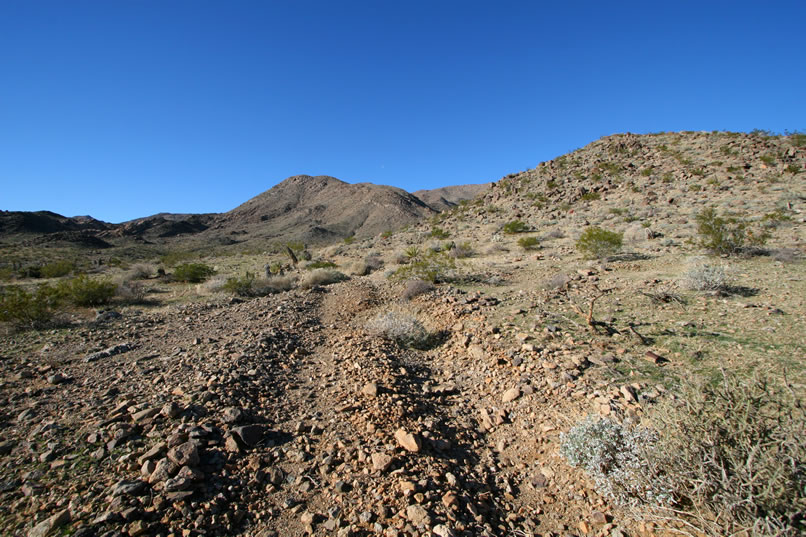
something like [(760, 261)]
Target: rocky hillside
[(311, 209), (322, 209), (383, 405), (450, 196)]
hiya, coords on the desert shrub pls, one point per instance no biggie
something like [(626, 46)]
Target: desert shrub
[(725, 234), (617, 459), (598, 242), (416, 288), (33, 271), (529, 243), (131, 291), (24, 309), (516, 226), (192, 272), (349, 240), (590, 196), (6, 273), (85, 291), (141, 271), (410, 253), (400, 327), (461, 251), (174, 258), (320, 264), (430, 266), (321, 277), (706, 277), (386, 234), (554, 234), (734, 450), (57, 269), (366, 266), (439, 233), (250, 286), (557, 281), (786, 255), (374, 262)]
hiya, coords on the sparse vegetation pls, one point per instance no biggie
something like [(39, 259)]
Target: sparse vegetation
[(416, 288), (516, 226), (57, 269), (439, 233), (322, 276), (733, 449), (403, 328), (706, 277), (616, 458), (85, 291), (251, 286), (431, 266), (320, 264), (529, 243), (590, 196), (598, 242), (725, 234), (192, 272), (24, 309)]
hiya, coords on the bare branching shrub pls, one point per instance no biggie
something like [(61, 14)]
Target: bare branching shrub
[(400, 327), (374, 262), (786, 255), (416, 288), (735, 452), (496, 248), (706, 277), (321, 277), (616, 458), (557, 281), (131, 291), (141, 271), (462, 250)]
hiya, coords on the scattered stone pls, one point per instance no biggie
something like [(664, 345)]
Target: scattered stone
[(370, 389), (511, 394), (418, 515), (186, 454), (381, 461), (408, 441), (171, 410), (250, 435), (111, 351), (48, 525)]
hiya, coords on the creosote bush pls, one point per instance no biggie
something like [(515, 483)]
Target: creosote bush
[(56, 269), (597, 242), (403, 328), (192, 272), (726, 234), (516, 226), (24, 309), (529, 243), (429, 266), (84, 291)]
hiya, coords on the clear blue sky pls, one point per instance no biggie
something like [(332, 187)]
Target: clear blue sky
[(123, 108)]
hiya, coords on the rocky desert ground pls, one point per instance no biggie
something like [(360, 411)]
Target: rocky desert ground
[(482, 371)]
